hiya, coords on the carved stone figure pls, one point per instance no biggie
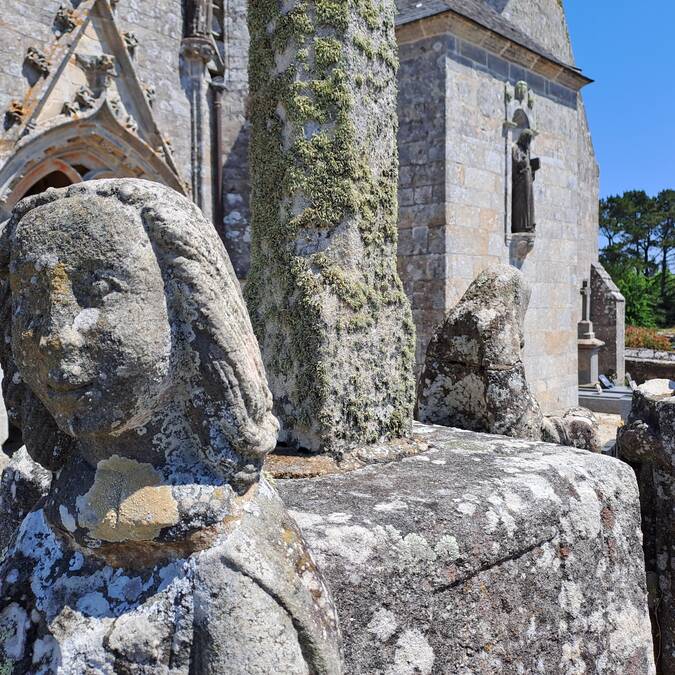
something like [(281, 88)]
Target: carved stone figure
[(85, 98), (474, 376), (36, 59), (131, 41), (64, 21), (131, 366), (524, 171), (15, 113)]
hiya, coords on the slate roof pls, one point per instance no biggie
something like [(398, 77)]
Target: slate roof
[(477, 11)]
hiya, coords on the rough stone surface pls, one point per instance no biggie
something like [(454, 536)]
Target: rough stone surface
[(473, 376), (483, 555), (576, 427), (133, 372), (649, 364), (647, 443), (3, 416), (23, 483), (326, 301)]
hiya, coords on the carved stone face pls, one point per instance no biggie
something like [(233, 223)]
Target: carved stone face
[(90, 328)]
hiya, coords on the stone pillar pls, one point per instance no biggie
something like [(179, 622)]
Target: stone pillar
[(608, 314), (197, 50), (327, 304)]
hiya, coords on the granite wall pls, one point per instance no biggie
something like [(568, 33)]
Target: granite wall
[(452, 230)]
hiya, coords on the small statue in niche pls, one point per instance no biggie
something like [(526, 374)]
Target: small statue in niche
[(524, 170), (134, 375)]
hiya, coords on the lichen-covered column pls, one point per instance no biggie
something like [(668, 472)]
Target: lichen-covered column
[(326, 301)]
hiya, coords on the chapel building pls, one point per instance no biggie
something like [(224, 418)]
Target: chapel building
[(158, 90)]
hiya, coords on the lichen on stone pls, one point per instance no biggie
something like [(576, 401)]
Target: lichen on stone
[(326, 302)]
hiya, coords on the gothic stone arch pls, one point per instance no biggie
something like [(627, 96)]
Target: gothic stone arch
[(96, 146)]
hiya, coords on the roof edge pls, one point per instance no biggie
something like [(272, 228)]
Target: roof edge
[(448, 20)]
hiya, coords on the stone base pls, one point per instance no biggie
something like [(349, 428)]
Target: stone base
[(589, 350), (482, 555)]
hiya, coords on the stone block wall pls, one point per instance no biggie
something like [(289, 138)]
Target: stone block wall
[(543, 20), (422, 258), (473, 217), (235, 228), (608, 314)]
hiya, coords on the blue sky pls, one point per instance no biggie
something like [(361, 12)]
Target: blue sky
[(628, 48)]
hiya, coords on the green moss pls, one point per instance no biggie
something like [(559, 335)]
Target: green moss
[(365, 45), (328, 52)]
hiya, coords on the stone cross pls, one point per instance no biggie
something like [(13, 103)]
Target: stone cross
[(586, 301), (327, 305)]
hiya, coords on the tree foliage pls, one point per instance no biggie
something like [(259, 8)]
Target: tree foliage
[(640, 253)]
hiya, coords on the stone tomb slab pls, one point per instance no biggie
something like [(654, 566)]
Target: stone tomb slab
[(483, 554)]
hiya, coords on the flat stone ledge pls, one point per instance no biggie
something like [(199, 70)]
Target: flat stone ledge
[(484, 554)]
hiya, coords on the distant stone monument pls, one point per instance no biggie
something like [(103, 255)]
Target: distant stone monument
[(135, 373), (589, 345), (524, 172), (333, 321)]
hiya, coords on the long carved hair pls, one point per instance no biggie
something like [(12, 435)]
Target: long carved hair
[(229, 404)]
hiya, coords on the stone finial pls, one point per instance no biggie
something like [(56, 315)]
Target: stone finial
[(327, 304), (132, 368), (85, 98), (15, 113), (37, 60), (64, 21), (473, 376), (131, 42)]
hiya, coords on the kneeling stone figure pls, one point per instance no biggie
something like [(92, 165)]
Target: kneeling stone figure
[(133, 372)]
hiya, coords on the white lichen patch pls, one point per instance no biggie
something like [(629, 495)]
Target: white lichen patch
[(395, 505), (414, 655), (383, 624)]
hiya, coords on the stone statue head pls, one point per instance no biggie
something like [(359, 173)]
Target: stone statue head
[(525, 139), (121, 314)]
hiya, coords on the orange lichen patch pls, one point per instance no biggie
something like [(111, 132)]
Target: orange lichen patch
[(127, 502), (59, 282)]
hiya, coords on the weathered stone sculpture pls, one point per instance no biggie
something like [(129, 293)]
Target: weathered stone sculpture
[(647, 442), (132, 366), (326, 302), (473, 376), (575, 427), (23, 482), (524, 171)]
